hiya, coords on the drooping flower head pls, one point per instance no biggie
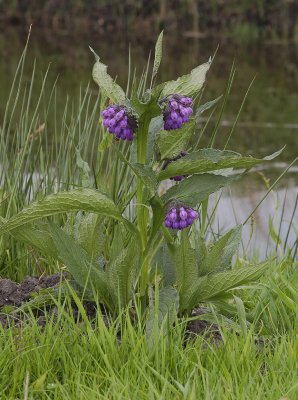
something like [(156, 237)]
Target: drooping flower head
[(119, 122), (177, 178), (177, 111), (180, 217)]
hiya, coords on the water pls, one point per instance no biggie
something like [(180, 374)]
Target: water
[(269, 119)]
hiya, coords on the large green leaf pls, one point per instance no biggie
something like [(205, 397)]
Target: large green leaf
[(196, 188), (162, 313), (186, 265), (210, 286), (164, 264), (187, 84), (89, 233), (206, 160), (78, 199), (221, 252), (80, 265), (36, 235), (171, 143), (106, 83), (122, 272)]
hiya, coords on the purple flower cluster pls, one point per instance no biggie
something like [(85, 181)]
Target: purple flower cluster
[(118, 122), (177, 111), (177, 178), (180, 217)]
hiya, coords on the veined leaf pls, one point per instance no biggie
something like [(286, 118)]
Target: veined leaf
[(206, 160), (206, 106), (155, 126), (162, 310), (84, 169), (158, 55), (57, 203), (172, 142), (88, 234), (122, 273), (80, 264), (209, 286), (36, 235), (197, 188), (187, 84), (106, 83), (221, 252), (144, 172)]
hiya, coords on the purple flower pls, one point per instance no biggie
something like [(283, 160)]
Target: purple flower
[(180, 217), (119, 122), (177, 178), (177, 111)]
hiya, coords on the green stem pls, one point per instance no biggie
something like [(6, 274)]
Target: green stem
[(142, 213)]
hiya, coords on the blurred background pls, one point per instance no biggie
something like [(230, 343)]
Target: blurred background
[(258, 37)]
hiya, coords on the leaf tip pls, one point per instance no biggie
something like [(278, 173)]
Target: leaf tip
[(95, 55)]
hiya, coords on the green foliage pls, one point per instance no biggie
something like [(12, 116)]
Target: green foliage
[(113, 241)]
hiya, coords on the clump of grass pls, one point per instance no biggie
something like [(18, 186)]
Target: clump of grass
[(70, 359)]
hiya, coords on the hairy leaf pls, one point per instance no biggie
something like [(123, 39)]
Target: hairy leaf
[(80, 265), (36, 235), (209, 286), (187, 84), (171, 143), (78, 199), (122, 273), (106, 83), (162, 313), (206, 106), (221, 252), (206, 160), (158, 55), (196, 188)]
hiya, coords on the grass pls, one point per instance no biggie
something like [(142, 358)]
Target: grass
[(70, 359), (75, 358)]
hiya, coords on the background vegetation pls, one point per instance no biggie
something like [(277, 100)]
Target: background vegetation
[(274, 19)]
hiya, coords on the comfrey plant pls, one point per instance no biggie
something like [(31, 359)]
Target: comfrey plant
[(127, 239)]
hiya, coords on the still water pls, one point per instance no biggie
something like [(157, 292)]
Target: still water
[(269, 119)]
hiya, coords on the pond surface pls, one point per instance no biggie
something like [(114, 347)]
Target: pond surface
[(269, 119)]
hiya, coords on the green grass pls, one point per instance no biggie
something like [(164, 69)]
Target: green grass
[(71, 360), (74, 358)]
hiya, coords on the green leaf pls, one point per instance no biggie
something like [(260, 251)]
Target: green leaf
[(84, 169), (162, 313), (106, 83), (171, 143), (78, 199), (197, 188), (209, 286), (36, 235), (122, 272), (80, 264), (166, 266), (206, 160), (155, 126), (158, 55), (187, 84), (206, 106), (186, 265), (147, 176), (221, 252), (144, 172), (89, 233)]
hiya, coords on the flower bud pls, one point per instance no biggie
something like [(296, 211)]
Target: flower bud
[(119, 122), (176, 111)]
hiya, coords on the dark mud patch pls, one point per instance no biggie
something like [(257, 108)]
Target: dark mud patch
[(14, 295)]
